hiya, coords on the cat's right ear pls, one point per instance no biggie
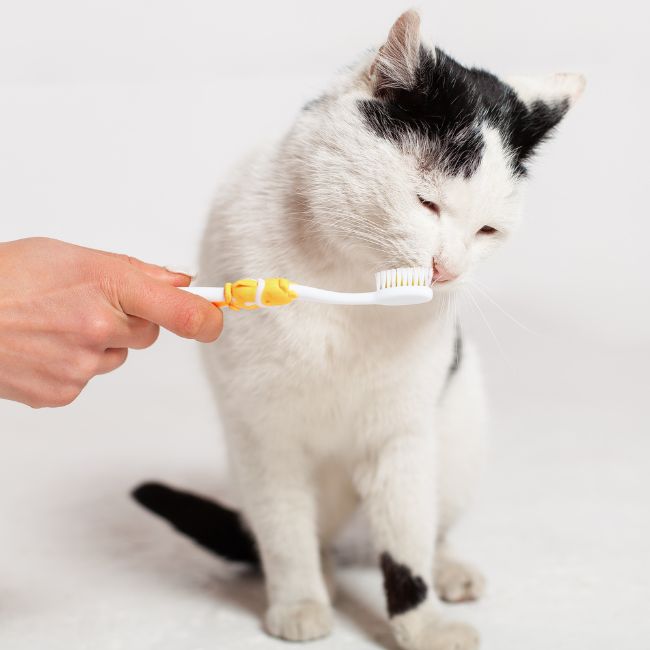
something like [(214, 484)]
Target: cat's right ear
[(396, 63)]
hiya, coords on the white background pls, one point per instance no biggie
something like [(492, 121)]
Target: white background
[(117, 121)]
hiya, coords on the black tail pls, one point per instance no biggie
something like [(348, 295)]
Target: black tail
[(209, 524)]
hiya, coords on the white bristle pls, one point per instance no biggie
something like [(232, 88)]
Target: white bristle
[(417, 276)]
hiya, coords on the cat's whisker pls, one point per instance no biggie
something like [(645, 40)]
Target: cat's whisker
[(476, 285), (504, 356)]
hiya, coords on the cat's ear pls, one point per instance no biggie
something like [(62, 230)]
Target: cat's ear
[(555, 89), (547, 99), (396, 63)]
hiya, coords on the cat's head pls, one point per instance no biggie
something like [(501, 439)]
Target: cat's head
[(412, 159)]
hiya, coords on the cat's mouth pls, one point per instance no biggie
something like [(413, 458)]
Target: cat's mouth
[(441, 286), (442, 276)]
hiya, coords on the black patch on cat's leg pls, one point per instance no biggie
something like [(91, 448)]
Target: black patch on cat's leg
[(206, 522), (404, 591)]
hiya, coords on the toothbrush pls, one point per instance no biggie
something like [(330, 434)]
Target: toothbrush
[(403, 286)]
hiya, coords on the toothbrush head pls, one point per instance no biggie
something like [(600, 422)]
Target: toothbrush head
[(414, 276), (404, 286)]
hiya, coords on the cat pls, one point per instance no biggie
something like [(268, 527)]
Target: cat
[(408, 159)]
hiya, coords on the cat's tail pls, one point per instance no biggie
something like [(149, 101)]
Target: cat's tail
[(206, 522)]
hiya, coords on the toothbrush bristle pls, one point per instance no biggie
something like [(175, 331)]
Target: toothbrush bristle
[(417, 276)]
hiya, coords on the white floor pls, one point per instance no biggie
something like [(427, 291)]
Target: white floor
[(562, 529)]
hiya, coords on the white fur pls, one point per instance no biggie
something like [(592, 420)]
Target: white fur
[(328, 407), (551, 88)]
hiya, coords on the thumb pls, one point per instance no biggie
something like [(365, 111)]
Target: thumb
[(180, 312)]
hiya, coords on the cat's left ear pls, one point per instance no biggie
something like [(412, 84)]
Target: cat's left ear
[(396, 63), (561, 89)]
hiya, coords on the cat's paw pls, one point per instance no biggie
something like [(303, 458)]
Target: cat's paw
[(457, 582), (301, 621), (414, 631), (451, 636), (438, 635)]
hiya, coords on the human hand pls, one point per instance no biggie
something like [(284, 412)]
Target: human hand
[(68, 313)]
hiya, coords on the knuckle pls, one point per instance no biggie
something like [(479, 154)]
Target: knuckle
[(38, 396), (152, 336), (84, 367), (67, 395), (117, 357), (99, 329), (126, 258), (121, 358), (143, 336), (36, 401), (62, 395), (39, 241)]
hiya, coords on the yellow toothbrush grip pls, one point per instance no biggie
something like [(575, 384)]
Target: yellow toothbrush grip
[(276, 292), (244, 294)]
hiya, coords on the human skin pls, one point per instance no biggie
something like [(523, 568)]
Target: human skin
[(68, 313)]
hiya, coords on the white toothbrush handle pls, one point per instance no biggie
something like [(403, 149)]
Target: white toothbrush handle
[(392, 296), (213, 294), (311, 294), (308, 294)]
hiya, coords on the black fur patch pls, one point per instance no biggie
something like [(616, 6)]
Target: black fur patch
[(208, 523), (458, 353), (404, 591), (448, 104)]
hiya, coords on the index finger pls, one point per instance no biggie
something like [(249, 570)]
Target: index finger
[(180, 312), (175, 277)]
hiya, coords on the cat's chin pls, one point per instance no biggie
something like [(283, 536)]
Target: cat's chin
[(450, 286)]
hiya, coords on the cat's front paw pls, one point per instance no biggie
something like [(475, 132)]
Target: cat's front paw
[(418, 631), (450, 636), (457, 582), (301, 621)]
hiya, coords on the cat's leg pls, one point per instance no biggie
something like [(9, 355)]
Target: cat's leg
[(396, 484), (337, 500), (461, 452), (280, 507)]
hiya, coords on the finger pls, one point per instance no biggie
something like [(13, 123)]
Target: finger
[(112, 359), (177, 278), (158, 272), (135, 333), (180, 312)]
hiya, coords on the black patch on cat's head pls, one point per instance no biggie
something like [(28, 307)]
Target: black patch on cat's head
[(404, 591), (448, 104)]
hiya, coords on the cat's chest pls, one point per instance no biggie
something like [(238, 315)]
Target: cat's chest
[(352, 345), (334, 352)]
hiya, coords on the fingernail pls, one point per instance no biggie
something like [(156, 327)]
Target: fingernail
[(181, 269)]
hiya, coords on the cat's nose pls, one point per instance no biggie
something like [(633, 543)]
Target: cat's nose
[(442, 274)]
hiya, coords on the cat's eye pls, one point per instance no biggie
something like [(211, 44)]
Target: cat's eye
[(487, 230), (434, 207)]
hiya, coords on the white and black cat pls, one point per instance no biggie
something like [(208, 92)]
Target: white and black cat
[(408, 159)]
